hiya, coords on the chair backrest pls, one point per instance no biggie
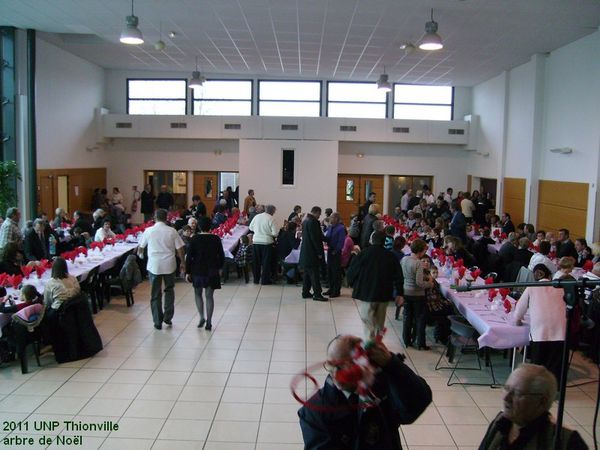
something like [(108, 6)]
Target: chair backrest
[(460, 327), (525, 275), (91, 279)]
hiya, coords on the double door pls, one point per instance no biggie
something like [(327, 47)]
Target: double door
[(353, 191)]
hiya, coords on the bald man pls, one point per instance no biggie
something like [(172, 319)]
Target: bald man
[(335, 422), (525, 421)]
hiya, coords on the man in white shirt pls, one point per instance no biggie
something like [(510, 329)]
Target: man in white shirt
[(428, 195), (265, 231), (448, 196), (405, 199), (541, 257), (467, 207), (162, 242)]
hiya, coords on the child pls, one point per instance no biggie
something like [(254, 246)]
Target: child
[(242, 258), (388, 244), (565, 267), (438, 307), (29, 295)]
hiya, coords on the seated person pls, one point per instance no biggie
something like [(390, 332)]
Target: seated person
[(584, 253), (61, 286), (287, 240), (11, 259), (105, 232), (525, 421), (59, 218), (403, 397), (29, 296), (84, 225), (508, 250), (186, 234), (565, 267), (541, 257), (453, 246), (540, 236), (523, 254), (98, 217), (80, 238), (389, 231), (35, 245), (220, 216)]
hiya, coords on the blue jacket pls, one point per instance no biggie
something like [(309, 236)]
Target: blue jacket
[(335, 237), (403, 394)]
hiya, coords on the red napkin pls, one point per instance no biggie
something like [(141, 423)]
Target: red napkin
[(460, 262), (507, 305), (40, 270), (552, 255), (588, 265), (461, 271), (15, 280), (497, 232), (3, 279), (491, 294), (503, 236), (82, 250), (26, 270), (504, 292), (442, 258), (475, 274), (489, 280), (451, 259)]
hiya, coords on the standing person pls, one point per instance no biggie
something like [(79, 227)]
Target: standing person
[(374, 273), (204, 260), (367, 225), (415, 301), (265, 231), (364, 209), (162, 242), (165, 199), (335, 237), (117, 199), (467, 207), (458, 223), (9, 231), (311, 255), (249, 201), (405, 199), (147, 203), (448, 196), (547, 321)]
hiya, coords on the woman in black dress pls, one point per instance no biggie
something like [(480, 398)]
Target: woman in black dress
[(204, 260)]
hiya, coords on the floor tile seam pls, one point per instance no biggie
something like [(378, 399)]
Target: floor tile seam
[(231, 368), (262, 406)]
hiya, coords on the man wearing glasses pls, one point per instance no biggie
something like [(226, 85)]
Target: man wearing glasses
[(525, 421), (362, 412)]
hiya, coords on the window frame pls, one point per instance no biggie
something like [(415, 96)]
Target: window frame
[(451, 104), (127, 98), (386, 101), (251, 99), (319, 102)]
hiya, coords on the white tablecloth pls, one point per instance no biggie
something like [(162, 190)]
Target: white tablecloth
[(494, 327), (230, 242)]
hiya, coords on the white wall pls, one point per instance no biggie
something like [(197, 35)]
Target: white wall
[(127, 159), (463, 102), (68, 89), (316, 169), (446, 163)]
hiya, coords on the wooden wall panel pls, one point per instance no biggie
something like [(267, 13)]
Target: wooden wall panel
[(563, 205), (513, 198), (82, 183)]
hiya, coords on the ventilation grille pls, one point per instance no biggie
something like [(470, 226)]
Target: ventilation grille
[(123, 125), (456, 131), (401, 130), (233, 126), (347, 127), (178, 125), (289, 127)]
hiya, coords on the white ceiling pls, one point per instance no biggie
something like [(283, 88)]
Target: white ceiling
[(324, 39)]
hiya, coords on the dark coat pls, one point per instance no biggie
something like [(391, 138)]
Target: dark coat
[(33, 247), (566, 248), (404, 396), (147, 200), (374, 273), (165, 200), (205, 258), (286, 242), (367, 229), (84, 225), (311, 252), (508, 227), (458, 226)]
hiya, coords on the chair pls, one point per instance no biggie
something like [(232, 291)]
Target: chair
[(91, 286), (463, 339), (25, 333), (110, 277)]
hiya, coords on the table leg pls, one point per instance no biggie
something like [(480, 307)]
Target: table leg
[(514, 358)]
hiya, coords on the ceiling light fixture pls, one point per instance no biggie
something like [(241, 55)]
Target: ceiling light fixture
[(383, 83), (131, 33), (432, 40), (197, 79), (160, 44)]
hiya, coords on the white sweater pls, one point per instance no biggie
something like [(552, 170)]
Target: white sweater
[(547, 313)]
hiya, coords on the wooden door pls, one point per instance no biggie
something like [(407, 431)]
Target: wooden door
[(46, 197), (353, 190), (206, 185)]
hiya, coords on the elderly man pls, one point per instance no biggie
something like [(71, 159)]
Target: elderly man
[(333, 417), (525, 421), (81, 223), (312, 254), (165, 199), (9, 231), (367, 225), (163, 243), (147, 202), (35, 243), (374, 273), (265, 231)]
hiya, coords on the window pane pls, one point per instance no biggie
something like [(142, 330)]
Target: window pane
[(166, 107), (422, 112), (290, 109), (349, 190), (357, 110), (156, 89), (287, 169), (407, 93), (355, 92), (224, 90), (290, 90), (222, 108)]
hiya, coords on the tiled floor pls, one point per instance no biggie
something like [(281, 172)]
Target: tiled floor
[(188, 388)]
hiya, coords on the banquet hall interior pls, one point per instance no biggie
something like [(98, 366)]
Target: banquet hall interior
[(309, 103)]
